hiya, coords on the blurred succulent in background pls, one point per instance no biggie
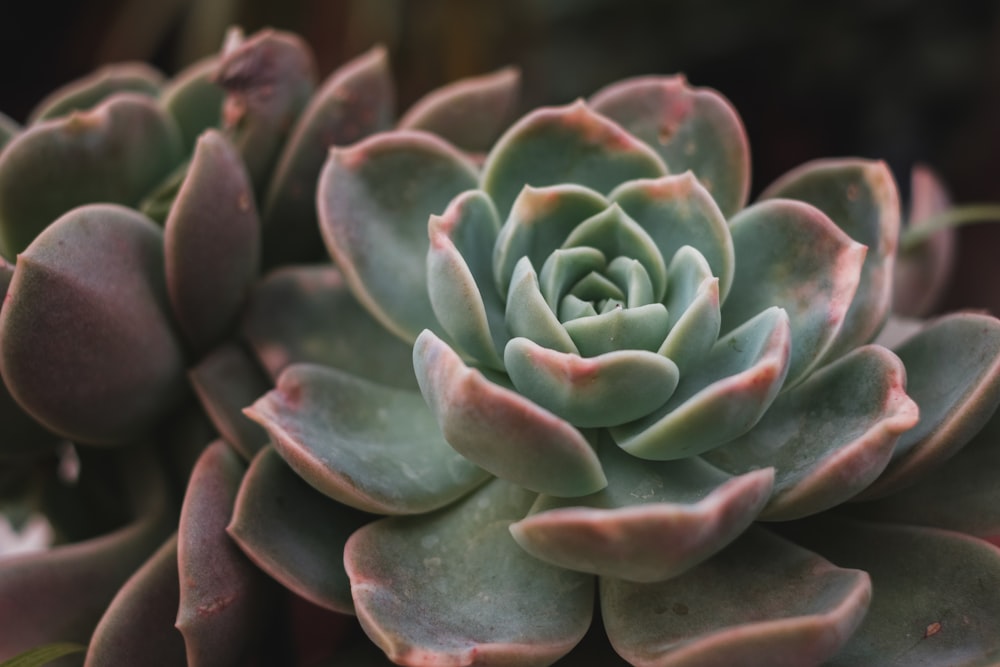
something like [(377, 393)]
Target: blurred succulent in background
[(563, 365)]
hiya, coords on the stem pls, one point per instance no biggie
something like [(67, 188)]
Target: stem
[(953, 217)]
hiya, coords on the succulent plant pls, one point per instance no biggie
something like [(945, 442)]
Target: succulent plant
[(556, 385)]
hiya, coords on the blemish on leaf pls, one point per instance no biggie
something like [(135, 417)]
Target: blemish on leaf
[(932, 630)]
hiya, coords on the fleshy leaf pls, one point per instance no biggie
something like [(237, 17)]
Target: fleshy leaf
[(538, 224), (374, 201), (609, 389), (927, 610), (719, 399), (693, 305), (131, 369), (44, 655), (114, 153), (453, 588), (211, 242), (569, 144), (760, 602), (306, 314), (294, 533), (691, 128), (528, 315), (372, 447), (953, 370), (860, 196), (470, 113), (677, 211), (829, 437), (226, 380), (501, 430), (792, 256), (652, 522), (460, 277), (222, 595), (356, 100), (922, 271), (643, 328), (268, 78), (138, 626), (193, 99), (8, 128), (91, 90)]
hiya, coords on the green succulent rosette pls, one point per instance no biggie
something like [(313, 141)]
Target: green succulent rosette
[(627, 380)]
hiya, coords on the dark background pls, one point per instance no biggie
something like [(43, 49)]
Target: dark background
[(907, 81)]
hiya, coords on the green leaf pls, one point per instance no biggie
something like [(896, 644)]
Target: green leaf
[(454, 588), (691, 128), (371, 447), (528, 313), (569, 144), (37, 657), (89, 91), (692, 303), (502, 431), (375, 199), (194, 100)]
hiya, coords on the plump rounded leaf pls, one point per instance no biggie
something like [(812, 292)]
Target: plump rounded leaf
[(935, 597), (652, 522), (294, 533), (194, 100), (470, 113), (128, 370), (227, 380), (693, 305), (792, 256), (372, 447), (677, 211), (222, 594), (460, 277), (502, 431), (306, 314), (268, 78), (606, 390), (530, 316), (762, 601), (355, 101), (453, 588), (91, 90), (829, 437), (691, 128), (860, 196), (115, 153), (719, 399), (922, 270), (953, 370), (211, 242), (138, 626), (374, 201), (569, 144)]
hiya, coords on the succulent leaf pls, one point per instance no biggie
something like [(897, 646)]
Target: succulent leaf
[(411, 578), (371, 447), (8, 128), (114, 153), (502, 431), (211, 242), (829, 437), (130, 370), (293, 532), (953, 370), (925, 610), (306, 314), (91, 90), (652, 522), (138, 626), (719, 399), (460, 277), (792, 256), (693, 129), (194, 100), (355, 101), (529, 314), (569, 144), (470, 113), (761, 602), (692, 303), (860, 196), (374, 198), (222, 594)]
